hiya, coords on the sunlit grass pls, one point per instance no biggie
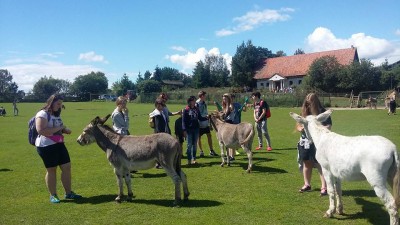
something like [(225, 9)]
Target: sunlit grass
[(218, 195)]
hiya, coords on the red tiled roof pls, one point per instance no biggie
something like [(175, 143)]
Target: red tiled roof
[(298, 65)]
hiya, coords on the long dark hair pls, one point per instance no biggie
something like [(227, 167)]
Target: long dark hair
[(49, 103)]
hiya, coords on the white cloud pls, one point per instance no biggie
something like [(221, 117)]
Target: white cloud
[(375, 49), (188, 60), (178, 48), (27, 74), (92, 57), (253, 19), (397, 32)]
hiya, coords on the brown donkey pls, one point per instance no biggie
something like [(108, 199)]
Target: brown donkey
[(127, 153)]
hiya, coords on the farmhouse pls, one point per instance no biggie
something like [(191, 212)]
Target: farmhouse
[(287, 71)]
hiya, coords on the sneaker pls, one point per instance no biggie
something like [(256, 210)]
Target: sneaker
[(202, 154), (259, 147), (269, 148), (54, 199), (231, 158), (212, 153), (72, 195), (305, 188)]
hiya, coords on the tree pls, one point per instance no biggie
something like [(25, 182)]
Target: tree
[(121, 87), (201, 75), (299, 51), (168, 73), (92, 83), (246, 61), (147, 75), (8, 88), (149, 86), (324, 73), (47, 86), (218, 70), (157, 74), (280, 53)]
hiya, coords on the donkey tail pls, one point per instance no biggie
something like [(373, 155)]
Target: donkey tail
[(251, 134), (396, 179), (178, 158)]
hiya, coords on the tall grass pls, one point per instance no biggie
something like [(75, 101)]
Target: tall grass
[(269, 195)]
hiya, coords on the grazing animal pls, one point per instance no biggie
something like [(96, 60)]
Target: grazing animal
[(371, 102), (233, 136), (373, 158), (127, 153)]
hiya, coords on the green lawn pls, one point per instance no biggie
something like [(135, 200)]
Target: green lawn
[(269, 195)]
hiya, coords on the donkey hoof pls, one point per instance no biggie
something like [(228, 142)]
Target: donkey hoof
[(176, 204), (328, 215), (222, 164), (248, 170), (118, 200)]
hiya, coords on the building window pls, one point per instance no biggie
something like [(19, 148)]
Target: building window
[(299, 81), (290, 83), (262, 84), (267, 84)]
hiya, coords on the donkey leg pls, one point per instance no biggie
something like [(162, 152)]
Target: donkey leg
[(128, 182), (331, 192), (250, 157), (221, 146), (338, 194), (176, 179), (118, 199), (186, 192), (387, 198)]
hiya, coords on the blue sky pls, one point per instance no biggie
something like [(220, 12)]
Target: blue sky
[(66, 39)]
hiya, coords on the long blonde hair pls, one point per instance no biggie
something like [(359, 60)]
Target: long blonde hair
[(227, 106)]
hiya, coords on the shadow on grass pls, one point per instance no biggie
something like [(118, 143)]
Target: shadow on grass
[(94, 200), (373, 212), (359, 193), (5, 170)]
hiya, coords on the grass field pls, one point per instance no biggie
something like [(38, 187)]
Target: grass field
[(269, 195)]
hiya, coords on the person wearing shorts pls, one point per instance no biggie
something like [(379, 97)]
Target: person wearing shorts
[(204, 125), (51, 147)]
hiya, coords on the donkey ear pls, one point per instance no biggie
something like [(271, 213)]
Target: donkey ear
[(95, 121), (297, 117), (324, 116), (103, 120)]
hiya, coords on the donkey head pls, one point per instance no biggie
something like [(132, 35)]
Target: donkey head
[(311, 119), (87, 136)]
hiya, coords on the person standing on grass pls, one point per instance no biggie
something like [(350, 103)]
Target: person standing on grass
[(204, 125), (161, 124), (306, 149), (120, 116), (190, 126), (51, 148), (260, 118), (15, 108)]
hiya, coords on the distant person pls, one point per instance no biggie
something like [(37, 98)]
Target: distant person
[(120, 116), (2, 111), (167, 113), (51, 147), (392, 103), (204, 125), (15, 108), (260, 117)]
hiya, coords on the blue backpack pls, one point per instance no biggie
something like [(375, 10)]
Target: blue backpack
[(32, 133)]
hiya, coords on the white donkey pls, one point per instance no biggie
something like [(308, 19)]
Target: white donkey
[(373, 158)]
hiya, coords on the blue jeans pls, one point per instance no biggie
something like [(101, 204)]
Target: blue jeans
[(192, 137)]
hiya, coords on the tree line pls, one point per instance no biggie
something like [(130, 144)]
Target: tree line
[(325, 73)]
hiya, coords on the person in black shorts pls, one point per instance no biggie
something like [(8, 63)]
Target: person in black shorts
[(204, 125), (306, 149)]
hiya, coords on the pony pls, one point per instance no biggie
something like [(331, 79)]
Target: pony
[(371, 158), (128, 153), (233, 136)]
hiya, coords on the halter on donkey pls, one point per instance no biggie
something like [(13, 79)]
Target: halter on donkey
[(127, 153)]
